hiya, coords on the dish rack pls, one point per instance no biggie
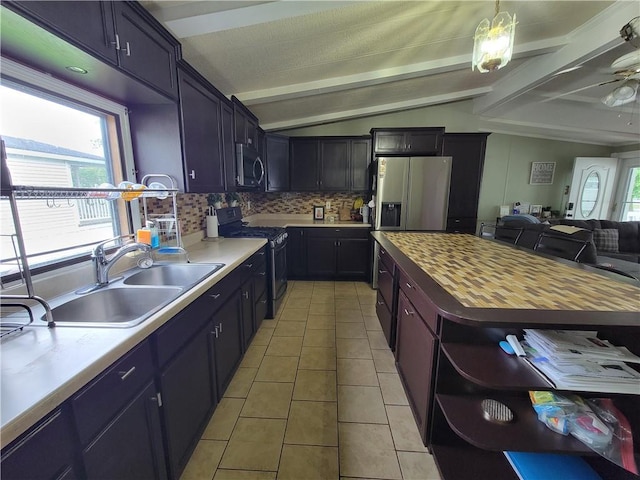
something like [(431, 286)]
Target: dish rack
[(168, 224)]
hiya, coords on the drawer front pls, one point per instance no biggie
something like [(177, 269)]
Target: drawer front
[(461, 225), (260, 280), (96, 404), (385, 282), (384, 316), (419, 300), (337, 232), (251, 264), (385, 258)]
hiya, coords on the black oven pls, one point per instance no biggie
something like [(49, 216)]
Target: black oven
[(231, 225)]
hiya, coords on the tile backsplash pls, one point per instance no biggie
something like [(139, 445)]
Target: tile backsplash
[(192, 207)]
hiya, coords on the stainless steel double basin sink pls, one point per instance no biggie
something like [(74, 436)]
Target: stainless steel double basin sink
[(130, 301)]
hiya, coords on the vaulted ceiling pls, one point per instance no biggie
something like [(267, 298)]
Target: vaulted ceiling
[(300, 63)]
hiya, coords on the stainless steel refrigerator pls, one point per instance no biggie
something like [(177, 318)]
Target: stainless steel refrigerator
[(411, 193)]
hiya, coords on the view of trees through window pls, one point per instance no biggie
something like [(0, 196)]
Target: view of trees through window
[(631, 204), (52, 142)]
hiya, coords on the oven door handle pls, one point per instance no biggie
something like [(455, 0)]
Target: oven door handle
[(258, 161)]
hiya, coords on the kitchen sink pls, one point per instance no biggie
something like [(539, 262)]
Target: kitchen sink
[(114, 307), (175, 274)]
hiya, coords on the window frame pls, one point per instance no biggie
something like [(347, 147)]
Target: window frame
[(118, 135)]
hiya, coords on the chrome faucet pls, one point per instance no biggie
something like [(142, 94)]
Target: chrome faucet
[(102, 262)]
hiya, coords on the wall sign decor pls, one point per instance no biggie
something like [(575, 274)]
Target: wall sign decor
[(318, 213), (542, 173)]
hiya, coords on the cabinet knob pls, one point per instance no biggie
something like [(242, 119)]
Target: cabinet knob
[(157, 398), (127, 50), (193, 174), (124, 375), (407, 312)]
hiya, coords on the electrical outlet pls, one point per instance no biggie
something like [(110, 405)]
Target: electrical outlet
[(328, 205)]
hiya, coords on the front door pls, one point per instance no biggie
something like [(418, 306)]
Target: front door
[(591, 188)]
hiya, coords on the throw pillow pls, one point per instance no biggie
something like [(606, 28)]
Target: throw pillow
[(606, 239)]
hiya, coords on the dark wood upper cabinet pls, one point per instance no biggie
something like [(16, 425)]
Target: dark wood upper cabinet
[(407, 141), (246, 124), (201, 132), (277, 160), (329, 163), (467, 150), (334, 165), (228, 145)]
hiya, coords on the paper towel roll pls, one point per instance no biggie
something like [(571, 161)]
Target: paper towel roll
[(212, 226)]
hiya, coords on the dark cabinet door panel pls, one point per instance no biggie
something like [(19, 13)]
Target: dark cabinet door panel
[(389, 142), (415, 350), (383, 312), (248, 327), (228, 147), (360, 160), (304, 163), (188, 396), (296, 253), (130, 448), (277, 159), (88, 25), (321, 256), (261, 309), (228, 343), (43, 453), (353, 257), (424, 142), (334, 161), (144, 52)]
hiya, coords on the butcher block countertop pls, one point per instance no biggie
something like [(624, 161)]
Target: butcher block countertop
[(477, 279)]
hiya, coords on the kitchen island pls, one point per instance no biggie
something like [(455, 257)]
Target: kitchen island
[(43, 369), (452, 298)]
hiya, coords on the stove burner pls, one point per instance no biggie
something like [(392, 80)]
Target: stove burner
[(270, 233)]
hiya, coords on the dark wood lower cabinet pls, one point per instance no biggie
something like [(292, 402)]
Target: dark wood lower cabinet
[(415, 353), (187, 385), (131, 445), (248, 320), (296, 253), (228, 341), (352, 257), (321, 256)]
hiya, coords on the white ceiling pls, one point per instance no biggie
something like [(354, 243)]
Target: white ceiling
[(300, 63)]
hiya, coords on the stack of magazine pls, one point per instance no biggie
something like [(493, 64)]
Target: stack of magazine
[(579, 360)]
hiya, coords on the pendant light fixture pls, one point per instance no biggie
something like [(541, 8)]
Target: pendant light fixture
[(493, 42)]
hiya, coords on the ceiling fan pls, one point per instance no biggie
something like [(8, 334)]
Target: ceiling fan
[(626, 68)]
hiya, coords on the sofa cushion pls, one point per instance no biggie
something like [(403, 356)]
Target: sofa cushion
[(606, 239), (628, 234), (590, 224)]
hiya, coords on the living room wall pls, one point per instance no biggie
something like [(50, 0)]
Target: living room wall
[(507, 161)]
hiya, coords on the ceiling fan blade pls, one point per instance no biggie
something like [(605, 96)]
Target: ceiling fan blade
[(580, 90)]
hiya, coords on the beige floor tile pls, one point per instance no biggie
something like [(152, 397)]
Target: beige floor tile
[(244, 475), (392, 390), (224, 419), (317, 358), (312, 423), (204, 461), (350, 330), (294, 314), (309, 463), (377, 340), (319, 385), (371, 323), (349, 302), (277, 369), (356, 371), (253, 356), (301, 301), (368, 308), (269, 323), (344, 291), (322, 308), (262, 336), (323, 284), (360, 405), (353, 315), (353, 348), (289, 329), (284, 346), (367, 451), (299, 294), (418, 466), (321, 322), (241, 383), (255, 444), (319, 338), (384, 360), (268, 400), (404, 430)]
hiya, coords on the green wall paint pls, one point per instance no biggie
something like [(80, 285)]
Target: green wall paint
[(507, 161)]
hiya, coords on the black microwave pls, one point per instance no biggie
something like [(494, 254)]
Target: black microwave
[(250, 168)]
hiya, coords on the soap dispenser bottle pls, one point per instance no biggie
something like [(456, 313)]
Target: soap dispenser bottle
[(155, 236)]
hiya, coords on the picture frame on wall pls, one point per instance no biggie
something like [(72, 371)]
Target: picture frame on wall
[(318, 212), (542, 173), (535, 210)]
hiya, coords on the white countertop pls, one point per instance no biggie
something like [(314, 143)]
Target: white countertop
[(42, 367), (298, 220)]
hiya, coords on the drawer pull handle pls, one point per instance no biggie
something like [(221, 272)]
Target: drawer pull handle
[(381, 303), (215, 331), (382, 271), (215, 296), (261, 253), (245, 295), (262, 273), (263, 301), (409, 285), (248, 265), (124, 375), (220, 327), (407, 312)]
